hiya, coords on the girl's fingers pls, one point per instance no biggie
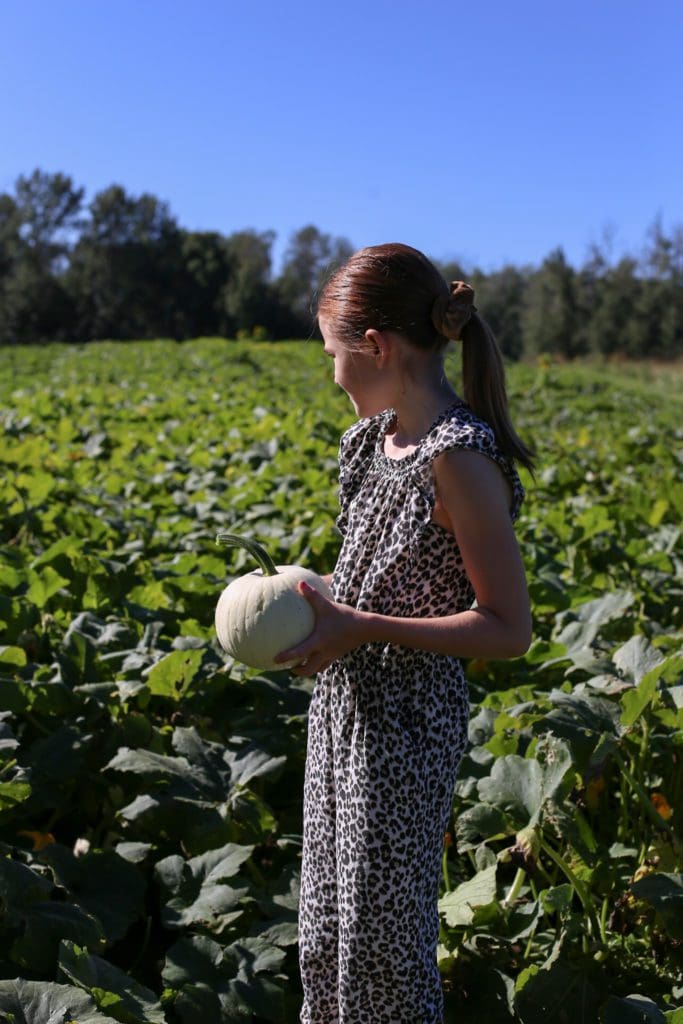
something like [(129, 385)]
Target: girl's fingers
[(313, 596), (307, 664), (294, 654), (302, 654)]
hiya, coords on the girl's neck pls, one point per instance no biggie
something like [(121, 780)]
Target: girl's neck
[(416, 409)]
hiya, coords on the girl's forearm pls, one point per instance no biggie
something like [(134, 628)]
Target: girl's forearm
[(476, 633)]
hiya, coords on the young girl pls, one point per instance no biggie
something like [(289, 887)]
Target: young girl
[(429, 572)]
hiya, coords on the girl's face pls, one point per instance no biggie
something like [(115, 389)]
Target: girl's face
[(356, 371)]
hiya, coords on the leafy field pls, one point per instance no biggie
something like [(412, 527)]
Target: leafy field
[(150, 789)]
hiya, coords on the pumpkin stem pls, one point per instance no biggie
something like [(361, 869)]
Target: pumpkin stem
[(255, 550)]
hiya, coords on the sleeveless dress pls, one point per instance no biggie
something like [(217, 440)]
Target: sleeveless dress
[(387, 730)]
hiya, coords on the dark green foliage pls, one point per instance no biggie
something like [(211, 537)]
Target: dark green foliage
[(150, 788)]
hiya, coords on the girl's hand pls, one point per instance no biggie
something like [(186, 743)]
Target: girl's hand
[(337, 631)]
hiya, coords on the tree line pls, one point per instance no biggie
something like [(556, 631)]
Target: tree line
[(121, 266)]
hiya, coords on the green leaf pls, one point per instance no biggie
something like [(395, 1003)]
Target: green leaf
[(64, 546), (480, 822), (542, 652), (520, 787), (13, 794), (594, 520), (659, 510), (457, 907), (634, 702), (45, 924), (195, 959), (175, 674), (195, 891), (14, 696), (202, 773), (636, 658), (558, 899), (10, 578), (135, 853), (522, 920), (262, 995), (578, 627), (254, 959), (58, 758), (43, 1002), (198, 1003), (104, 884), (238, 975), (122, 997), (631, 1010), (583, 721), (254, 763), (195, 968), (664, 892), (45, 585), (20, 887), (554, 992), (153, 766), (13, 656), (210, 760)]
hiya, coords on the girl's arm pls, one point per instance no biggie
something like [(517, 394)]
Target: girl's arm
[(474, 495)]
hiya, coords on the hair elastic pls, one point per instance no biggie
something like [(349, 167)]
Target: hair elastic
[(453, 309)]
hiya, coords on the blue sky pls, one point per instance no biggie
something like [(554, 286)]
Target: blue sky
[(488, 132)]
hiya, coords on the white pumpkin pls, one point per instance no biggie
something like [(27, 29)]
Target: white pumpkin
[(261, 614)]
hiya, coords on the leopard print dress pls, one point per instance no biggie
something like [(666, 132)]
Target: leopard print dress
[(387, 729)]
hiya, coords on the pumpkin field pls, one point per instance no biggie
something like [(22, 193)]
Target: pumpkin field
[(150, 786)]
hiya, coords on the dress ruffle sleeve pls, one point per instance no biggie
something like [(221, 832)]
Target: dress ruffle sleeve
[(356, 451), (463, 429)]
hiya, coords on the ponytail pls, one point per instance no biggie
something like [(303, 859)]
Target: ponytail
[(483, 375)]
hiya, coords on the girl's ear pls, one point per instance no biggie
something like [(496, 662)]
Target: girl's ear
[(380, 345)]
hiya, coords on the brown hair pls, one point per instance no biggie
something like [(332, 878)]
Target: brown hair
[(396, 288)]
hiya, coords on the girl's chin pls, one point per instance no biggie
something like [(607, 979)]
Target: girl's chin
[(365, 409)]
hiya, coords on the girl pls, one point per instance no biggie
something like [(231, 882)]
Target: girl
[(429, 572)]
